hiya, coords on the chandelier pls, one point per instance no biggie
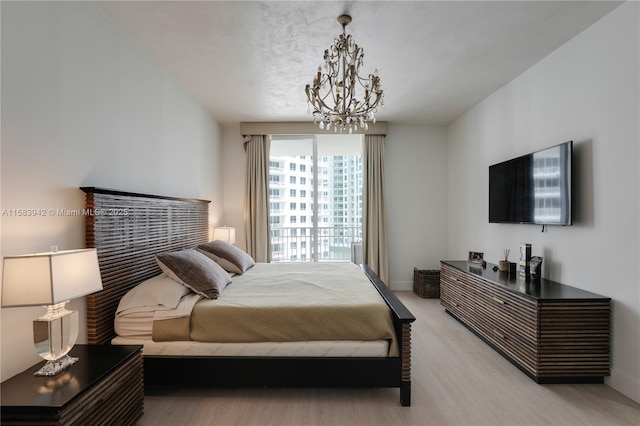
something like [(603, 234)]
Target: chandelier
[(332, 96)]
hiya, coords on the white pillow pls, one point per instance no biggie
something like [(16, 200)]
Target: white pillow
[(157, 291)]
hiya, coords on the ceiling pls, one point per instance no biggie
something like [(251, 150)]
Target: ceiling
[(250, 60)]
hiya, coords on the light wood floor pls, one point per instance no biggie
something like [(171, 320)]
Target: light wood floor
[(457, 380)]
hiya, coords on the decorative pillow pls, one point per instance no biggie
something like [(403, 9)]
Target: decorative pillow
[(230, 257), (157, 291), (195, 271)]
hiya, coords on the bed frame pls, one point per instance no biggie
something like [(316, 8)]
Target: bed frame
[(128, 229)]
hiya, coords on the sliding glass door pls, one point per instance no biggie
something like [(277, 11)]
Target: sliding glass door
[(315, 197)]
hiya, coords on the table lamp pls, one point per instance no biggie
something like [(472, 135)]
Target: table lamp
[(51, 279), (225, 233)]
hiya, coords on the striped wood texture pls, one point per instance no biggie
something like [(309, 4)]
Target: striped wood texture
[(116, 400), (550, 340), (574, 339), (128, 230), (505, 319), (405, 352)]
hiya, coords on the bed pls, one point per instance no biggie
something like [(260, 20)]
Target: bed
[(129, 230)]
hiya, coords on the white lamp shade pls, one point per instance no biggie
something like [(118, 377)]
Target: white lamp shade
[(225, 233), (49, 278)]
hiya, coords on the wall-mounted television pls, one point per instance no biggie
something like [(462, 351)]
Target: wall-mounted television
[(534, 188)]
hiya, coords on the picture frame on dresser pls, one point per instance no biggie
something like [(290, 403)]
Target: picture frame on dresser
[(476, 257)]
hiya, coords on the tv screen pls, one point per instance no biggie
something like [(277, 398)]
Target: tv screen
[(534, 188)]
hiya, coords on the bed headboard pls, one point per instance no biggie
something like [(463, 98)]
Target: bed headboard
[(128, 230)]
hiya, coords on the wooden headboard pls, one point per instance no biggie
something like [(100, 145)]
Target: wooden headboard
[(128, 230)]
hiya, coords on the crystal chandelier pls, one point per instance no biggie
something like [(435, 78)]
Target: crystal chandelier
[(332, 96)]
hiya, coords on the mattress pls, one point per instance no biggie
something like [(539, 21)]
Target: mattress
[(318, 348)]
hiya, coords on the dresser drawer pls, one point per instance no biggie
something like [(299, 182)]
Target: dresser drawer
[(465, 293), (506, 320)]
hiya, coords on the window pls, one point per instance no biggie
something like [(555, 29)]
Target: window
[(326, 172)]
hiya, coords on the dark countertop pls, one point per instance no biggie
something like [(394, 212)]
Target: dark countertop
[(32, 392), (540, 289)]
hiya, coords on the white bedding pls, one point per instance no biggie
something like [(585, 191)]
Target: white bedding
[(141, 306)]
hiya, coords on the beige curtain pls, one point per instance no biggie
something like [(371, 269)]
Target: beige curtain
[(374, 219), (257, 199)]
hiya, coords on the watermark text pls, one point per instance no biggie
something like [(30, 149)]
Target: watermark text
[(49, 212)]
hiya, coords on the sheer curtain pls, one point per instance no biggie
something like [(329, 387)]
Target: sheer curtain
[(257, 199), (374, 218)]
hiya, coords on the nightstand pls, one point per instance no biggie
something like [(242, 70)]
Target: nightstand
[(104, 387)]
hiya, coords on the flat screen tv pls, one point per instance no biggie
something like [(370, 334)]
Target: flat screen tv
[(534, 188)]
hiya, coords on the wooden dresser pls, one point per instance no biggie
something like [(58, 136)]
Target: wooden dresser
[(552, 332), (104, 387)]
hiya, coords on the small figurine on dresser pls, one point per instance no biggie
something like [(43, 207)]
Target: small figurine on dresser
[(535, 266)]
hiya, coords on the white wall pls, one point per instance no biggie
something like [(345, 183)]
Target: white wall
[(82, 106), (416, 199), (235, 161), (586, 91)]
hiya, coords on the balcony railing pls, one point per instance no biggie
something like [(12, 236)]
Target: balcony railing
[(298, 244)]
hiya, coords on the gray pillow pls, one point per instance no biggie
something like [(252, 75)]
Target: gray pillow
[(195, 271), (230, 257)]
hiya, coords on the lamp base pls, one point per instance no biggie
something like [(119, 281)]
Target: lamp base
[(51, 368), (54, 334)]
